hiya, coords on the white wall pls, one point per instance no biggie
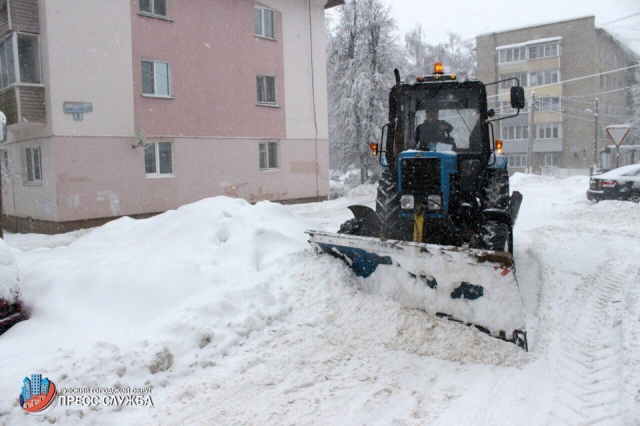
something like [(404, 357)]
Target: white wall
[(299, 93), (86, 47)]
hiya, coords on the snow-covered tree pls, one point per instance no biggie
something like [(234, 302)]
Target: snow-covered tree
[(360, 65), (456, 54), (417, 51)]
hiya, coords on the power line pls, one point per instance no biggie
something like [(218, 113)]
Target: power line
[(576, 79), (603, 93), (621, 19)]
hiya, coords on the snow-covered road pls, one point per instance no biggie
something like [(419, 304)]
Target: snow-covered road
[(229, 316)]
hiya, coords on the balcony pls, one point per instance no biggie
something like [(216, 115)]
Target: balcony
[(520, 146)]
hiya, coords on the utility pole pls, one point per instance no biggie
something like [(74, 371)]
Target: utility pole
[(595, 139), (532, 108)]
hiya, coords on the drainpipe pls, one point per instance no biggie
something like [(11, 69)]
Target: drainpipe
[(313, 94)]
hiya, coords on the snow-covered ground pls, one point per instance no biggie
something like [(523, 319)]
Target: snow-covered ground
[(224, 310)]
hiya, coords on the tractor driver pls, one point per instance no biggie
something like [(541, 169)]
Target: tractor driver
[(432, 130)]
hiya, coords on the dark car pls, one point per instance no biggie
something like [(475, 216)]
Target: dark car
[(10, 314), (10, 304), (622, 183)]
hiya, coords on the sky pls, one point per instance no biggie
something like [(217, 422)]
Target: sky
[(471, 18)]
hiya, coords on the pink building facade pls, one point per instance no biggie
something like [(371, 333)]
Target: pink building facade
[(135, 107)]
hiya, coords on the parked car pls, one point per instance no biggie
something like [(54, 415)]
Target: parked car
[(10, 304), (10, 314), (622, 183)]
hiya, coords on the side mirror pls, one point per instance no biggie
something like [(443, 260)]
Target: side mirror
[(517, 97)]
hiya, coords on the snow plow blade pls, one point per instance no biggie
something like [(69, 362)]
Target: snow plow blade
[(471, 286)]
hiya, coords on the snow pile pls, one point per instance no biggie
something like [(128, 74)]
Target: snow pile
[(139, 302), (9, 288)]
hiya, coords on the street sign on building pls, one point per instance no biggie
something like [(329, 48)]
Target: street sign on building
[(77, 109)]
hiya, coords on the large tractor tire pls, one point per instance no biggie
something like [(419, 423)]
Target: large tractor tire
[(388, 209), (495, 191), (496, 236)]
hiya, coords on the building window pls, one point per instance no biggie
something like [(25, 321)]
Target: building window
[(551, 103), (521, 76), (266, 89), (34, 165), (158, 159), (265, 23), (515, 132), (548, 160), (539, 78), (545, 50), (268, 155), (512, 54), (5, 164), (154, 7), (548, 131), (156, 78), (519, 160), (26, 50), (504, 108)]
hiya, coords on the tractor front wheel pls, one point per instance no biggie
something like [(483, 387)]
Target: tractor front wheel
[(496, 236)]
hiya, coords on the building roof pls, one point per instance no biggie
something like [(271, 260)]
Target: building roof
[(536, 26)]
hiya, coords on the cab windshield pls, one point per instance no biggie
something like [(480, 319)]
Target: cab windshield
[(442, 119)]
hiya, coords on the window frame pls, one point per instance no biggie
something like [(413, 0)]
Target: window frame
[(547, 77), (11, 40), (4, 162), (521, 157), (549, 104), (263, 90), (157, 173), (543, 50), (522, 76), (513, 130), (548, 157), (508, 55), (541, 130), (155, 87), (153, 14), (31, 167), (262, 33), (263, 147), (505, 108)]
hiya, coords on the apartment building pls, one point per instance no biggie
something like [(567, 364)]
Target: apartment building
[(575, 77), (134, 107)]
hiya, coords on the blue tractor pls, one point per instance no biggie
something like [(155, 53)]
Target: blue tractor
[(441, 236)]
